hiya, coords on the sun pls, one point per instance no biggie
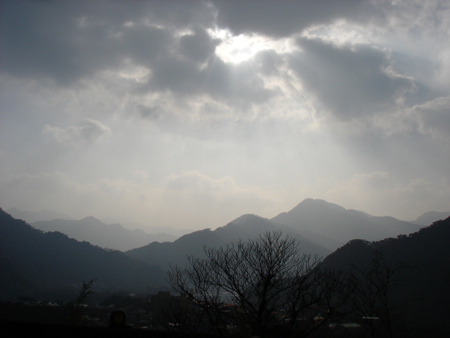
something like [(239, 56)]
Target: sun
[(239, 48)]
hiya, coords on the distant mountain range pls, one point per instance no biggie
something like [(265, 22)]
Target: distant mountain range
[(94, 231), (32, 262), (332, 225), (244, 227), (321, 228), (36, 216), (430, 217)]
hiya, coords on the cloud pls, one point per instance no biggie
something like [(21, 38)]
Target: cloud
[(151, 113), (278, 19), (287, 18), (176, 55), (198, 46), (170, 40), (349, 81), (30, 45), (88, 131), (209, 189), (227, 105), (90, 36), (433, 117)]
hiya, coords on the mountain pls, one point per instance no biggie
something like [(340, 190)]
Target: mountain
[(244, 227), (94, 231), (430, 217), (426, 282), (175, 253), (332, 225), (251, 226), (36, 216), (31, 260), (321, 227), (150, 229)]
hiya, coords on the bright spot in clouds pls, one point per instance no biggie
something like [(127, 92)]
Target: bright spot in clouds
[(236, 49)]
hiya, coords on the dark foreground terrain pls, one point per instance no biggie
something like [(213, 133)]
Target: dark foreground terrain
[(27, 329)]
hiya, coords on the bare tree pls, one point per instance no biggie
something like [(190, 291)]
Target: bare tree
[(275, 288)]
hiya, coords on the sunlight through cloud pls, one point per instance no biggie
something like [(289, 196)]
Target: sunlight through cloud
[(236, 49)]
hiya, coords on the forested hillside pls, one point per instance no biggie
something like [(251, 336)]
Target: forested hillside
[(424, 285), (32, 260)]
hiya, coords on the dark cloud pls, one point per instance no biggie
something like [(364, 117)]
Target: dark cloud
[(197, 71), (281, 18), (66, 41), (235, 83), (144, 44), (35, 40), (198, 46), (151, 113), (350, 81), (174, 74)]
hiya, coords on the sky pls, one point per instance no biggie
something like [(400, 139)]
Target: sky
[(189, 114)]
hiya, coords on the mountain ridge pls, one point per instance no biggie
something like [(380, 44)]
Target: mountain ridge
[(93, 230), (337, 225), (246, 227), (430, 217), (389, 226), (41, 261), (36, 216)]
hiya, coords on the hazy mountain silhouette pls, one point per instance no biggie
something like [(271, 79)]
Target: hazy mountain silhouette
[(428, 251), (244, 227), (332, 225), (321, 227), (166, 254), (151, 229), (317, 221), (36, 216), (250, 226), (430, 217), (52, 260), (94, 231)]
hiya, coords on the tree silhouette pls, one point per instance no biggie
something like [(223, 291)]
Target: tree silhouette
[(77, 306), (275, 289)]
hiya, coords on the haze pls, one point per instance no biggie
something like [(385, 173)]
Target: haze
[(189, 114)]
